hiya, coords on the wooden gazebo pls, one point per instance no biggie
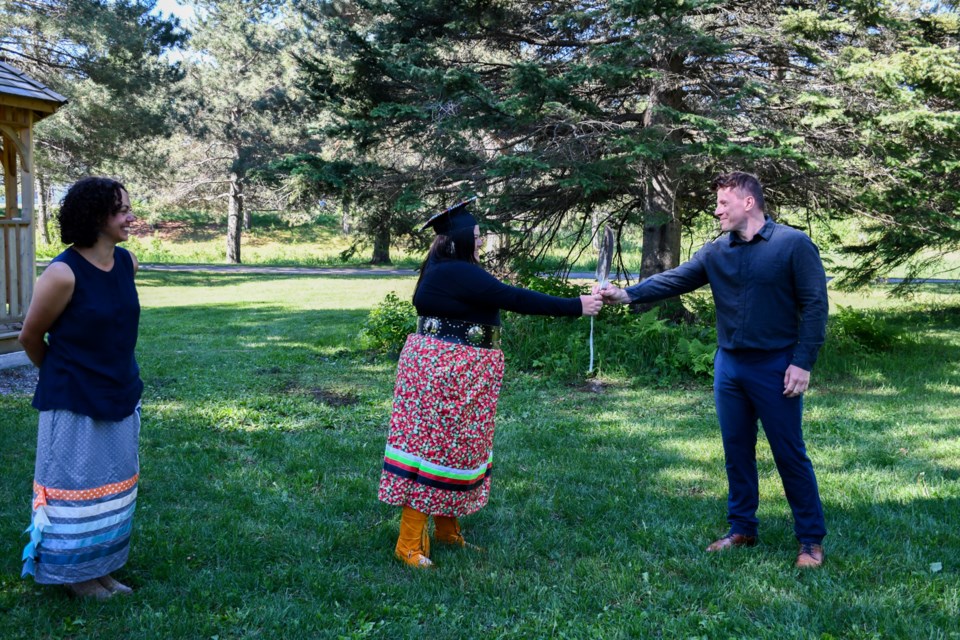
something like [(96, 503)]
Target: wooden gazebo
[(23, 102)]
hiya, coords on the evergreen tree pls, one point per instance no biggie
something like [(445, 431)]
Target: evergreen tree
[(240, 108), (107, 59), (895, 100), (563, 110)]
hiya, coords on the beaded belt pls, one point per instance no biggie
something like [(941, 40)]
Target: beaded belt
[(486, 336)]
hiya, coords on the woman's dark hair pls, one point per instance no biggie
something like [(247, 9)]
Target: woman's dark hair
[(460, 244), (85, 209)]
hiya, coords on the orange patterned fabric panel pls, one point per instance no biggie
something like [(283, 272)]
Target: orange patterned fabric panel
[(44, 493)]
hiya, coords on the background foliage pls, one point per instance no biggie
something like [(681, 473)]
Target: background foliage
[(564, 115), (107, 59), (638, 346)]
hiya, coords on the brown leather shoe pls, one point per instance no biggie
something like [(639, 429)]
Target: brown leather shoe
[(733, 540), (810, 556)]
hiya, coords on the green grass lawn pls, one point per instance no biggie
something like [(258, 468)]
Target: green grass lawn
[(261, 448)]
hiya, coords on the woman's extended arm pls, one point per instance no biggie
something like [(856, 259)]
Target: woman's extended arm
[(519, 300)]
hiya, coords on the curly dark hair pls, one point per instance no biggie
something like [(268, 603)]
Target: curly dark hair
[(85, 209), (745, 182)]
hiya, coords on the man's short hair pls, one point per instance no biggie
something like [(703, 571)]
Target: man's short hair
[(743, 181)]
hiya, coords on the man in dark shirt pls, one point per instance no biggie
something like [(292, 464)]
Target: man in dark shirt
[(770, 292)]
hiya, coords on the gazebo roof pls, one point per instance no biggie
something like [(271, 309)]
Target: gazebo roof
[(20, 90)]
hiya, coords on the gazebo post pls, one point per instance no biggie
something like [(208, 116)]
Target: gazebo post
[(9, 177), (23, 102), (8, 241), (28, 240), (5, 279)]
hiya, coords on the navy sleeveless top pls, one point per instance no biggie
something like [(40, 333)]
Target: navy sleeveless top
[(89, 367)]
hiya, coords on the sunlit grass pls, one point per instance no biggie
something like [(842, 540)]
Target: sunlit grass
[(262, 440)]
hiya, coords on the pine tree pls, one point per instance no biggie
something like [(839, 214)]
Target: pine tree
[(565, 110), (896, 100), (240, 109), (108, 59)]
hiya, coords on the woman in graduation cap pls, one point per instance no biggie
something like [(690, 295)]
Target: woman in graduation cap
[(439, 452)]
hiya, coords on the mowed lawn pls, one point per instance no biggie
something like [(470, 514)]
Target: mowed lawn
[(261, 447)]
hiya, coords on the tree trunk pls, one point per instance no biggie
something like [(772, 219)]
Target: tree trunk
[(247, 222), (234, 219), (661, 228), (595, 230), (381, 245), (44, 220), (661, 244)]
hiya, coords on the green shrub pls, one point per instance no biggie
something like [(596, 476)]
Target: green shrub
[(691, 356), (639, 345), (550, 285), (388, 325), (700, 304), (852, 329)]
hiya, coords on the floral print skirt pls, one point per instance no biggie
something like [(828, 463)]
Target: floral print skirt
[(439, 452)]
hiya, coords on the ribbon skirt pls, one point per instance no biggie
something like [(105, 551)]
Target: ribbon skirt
[(84, 496), (439, 453)]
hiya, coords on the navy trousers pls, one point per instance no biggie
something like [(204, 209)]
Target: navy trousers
[(747, 386)]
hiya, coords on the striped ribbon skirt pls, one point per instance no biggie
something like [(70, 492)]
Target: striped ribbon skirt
[(84, 496), (439, 452)]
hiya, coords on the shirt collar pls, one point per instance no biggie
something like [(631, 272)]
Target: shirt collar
[(765, 232)]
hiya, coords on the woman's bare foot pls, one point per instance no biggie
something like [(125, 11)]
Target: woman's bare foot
[(111, 584), (88, 589)]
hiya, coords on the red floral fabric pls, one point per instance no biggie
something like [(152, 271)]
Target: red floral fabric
[(444, 406)]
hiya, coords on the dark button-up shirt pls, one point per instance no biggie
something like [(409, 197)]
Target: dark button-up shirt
[(770, 293)]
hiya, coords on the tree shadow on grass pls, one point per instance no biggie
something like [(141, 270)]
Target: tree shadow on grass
[(901, 369), (221, 279), (146, 279), (227, 350), (918, 356), (254, 495), (936, 315)]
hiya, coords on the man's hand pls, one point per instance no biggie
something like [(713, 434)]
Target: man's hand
[(795, 381), (612, 294)]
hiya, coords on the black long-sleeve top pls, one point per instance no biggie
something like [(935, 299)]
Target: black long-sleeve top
[(770, 293), (459, 290)]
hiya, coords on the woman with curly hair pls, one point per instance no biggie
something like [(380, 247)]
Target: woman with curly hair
[(439, 453), (88, 394)]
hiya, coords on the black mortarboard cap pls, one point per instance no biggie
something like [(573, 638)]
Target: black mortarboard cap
[(452, 219)]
